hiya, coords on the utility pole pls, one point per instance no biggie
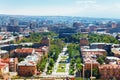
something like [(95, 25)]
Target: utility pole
[(83, 71)]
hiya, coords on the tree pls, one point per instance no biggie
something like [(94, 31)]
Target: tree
[(96, 73), (36, 37), (51, 62), (101, 59), (72, 61), (73, 50), (87, 73), (49, 68), (102, 38), (20, 59), (41, 64), (74, 55), (71, 72), (111, 54), (78, 60), (79, 67), (55, 56)]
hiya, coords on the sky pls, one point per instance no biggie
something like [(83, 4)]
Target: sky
[(82, 8)]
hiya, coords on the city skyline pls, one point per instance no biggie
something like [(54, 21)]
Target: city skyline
[(82, 8)]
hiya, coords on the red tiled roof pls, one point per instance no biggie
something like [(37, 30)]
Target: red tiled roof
[(38, 50), (24, 50), (5, 60), (2, 65)]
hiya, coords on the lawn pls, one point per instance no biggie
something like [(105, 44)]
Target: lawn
[(61, 67), (64, 57)]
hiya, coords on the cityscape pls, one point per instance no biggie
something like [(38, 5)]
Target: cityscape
[(59, 40)]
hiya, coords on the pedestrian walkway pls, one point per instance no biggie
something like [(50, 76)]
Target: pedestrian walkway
[(63, 74)]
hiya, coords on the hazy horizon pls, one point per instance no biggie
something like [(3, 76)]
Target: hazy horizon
[(79, 8)]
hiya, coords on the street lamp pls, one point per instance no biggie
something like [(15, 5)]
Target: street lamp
[(91, 70), (93, 57)]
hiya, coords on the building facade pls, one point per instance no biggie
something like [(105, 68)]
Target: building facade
[(4, 54), (109, 71), (13, 62), (27, 69), (4, 68), (84, 42)]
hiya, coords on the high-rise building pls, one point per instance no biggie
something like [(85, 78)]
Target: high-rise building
[(13, 22), (33, 25), (114, 25), (13, 26)]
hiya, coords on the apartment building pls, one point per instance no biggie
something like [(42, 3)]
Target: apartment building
[(94, 51), (4, 68), (13, 62), (23, 52), (109, 71), (28, 66)]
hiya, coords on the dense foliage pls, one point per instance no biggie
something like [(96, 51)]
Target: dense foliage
[(101, 59), (20, 59), (95, 73), (75, 60), (55, 48), (73, 50), (36, 37), (91, 37), (50, 66), (74, 38), (102, 38), (41, 64)]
